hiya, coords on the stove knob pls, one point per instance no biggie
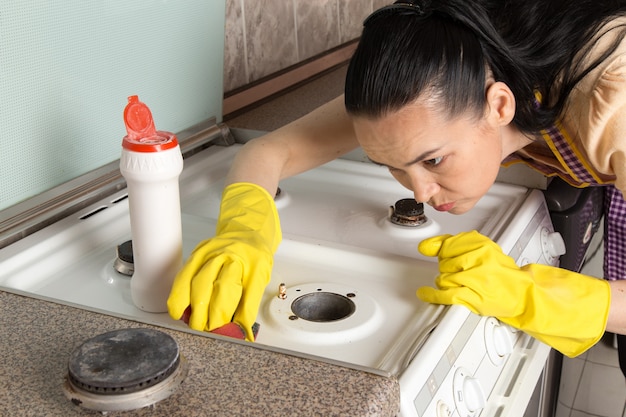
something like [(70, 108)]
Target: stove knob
[(474, 396), (502, 341), (498, 341), (469, 397), (443, 410), (552, 245)]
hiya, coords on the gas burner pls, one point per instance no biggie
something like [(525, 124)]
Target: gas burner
[(324, 313), (323, 306), (124, 262), (407, 212), (124, 370)]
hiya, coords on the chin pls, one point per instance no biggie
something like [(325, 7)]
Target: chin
[(462, 208)]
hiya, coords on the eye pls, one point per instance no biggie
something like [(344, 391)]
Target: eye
[(434, 161)]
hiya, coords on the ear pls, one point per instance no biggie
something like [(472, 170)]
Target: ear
[(500, 103)]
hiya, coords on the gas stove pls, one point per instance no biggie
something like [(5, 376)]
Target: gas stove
[(343, 284)]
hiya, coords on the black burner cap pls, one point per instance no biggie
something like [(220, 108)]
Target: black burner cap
[(123, 361), (125, 251), (409, 207)]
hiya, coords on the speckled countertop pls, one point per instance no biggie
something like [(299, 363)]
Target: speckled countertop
[(226, 378)]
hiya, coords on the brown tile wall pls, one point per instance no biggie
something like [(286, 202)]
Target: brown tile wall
[(266, 36)]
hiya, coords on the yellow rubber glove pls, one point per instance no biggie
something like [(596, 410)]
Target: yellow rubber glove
[(225, 276), (563, 309)]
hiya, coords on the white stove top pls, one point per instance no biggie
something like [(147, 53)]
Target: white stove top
[(338, 248), (347, 202)]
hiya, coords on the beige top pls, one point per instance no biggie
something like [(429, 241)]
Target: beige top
[(595, 116)]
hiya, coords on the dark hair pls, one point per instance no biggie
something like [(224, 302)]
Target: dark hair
[(445, 48)]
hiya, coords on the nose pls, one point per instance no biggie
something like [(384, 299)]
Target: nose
[(423, 189)]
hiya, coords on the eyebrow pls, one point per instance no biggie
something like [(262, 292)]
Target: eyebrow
[(422, 157)]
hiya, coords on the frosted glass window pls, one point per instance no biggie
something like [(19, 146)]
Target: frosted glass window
[(68, 66)]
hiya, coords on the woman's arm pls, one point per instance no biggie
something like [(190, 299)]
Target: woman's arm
[(225, 276), (616, 322), (319, 137)]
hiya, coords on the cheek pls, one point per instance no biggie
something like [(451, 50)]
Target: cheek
[(476, 179)]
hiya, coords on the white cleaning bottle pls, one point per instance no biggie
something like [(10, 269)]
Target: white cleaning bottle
[(151, 163)]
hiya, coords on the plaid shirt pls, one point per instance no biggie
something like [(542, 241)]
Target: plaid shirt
[(579, 173)]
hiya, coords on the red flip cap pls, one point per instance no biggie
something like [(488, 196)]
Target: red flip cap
[(141, 133)]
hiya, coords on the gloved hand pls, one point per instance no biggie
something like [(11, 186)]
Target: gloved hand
[(563, 309), (225, 276)]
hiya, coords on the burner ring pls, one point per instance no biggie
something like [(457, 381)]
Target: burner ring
[(123, 361), (150, 364), (124, 262), (407, 212), (323, 307), (323, 313)]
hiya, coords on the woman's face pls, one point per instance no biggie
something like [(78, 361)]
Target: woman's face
[(449, 164)]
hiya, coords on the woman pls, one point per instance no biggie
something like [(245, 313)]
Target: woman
[(442, 93)]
